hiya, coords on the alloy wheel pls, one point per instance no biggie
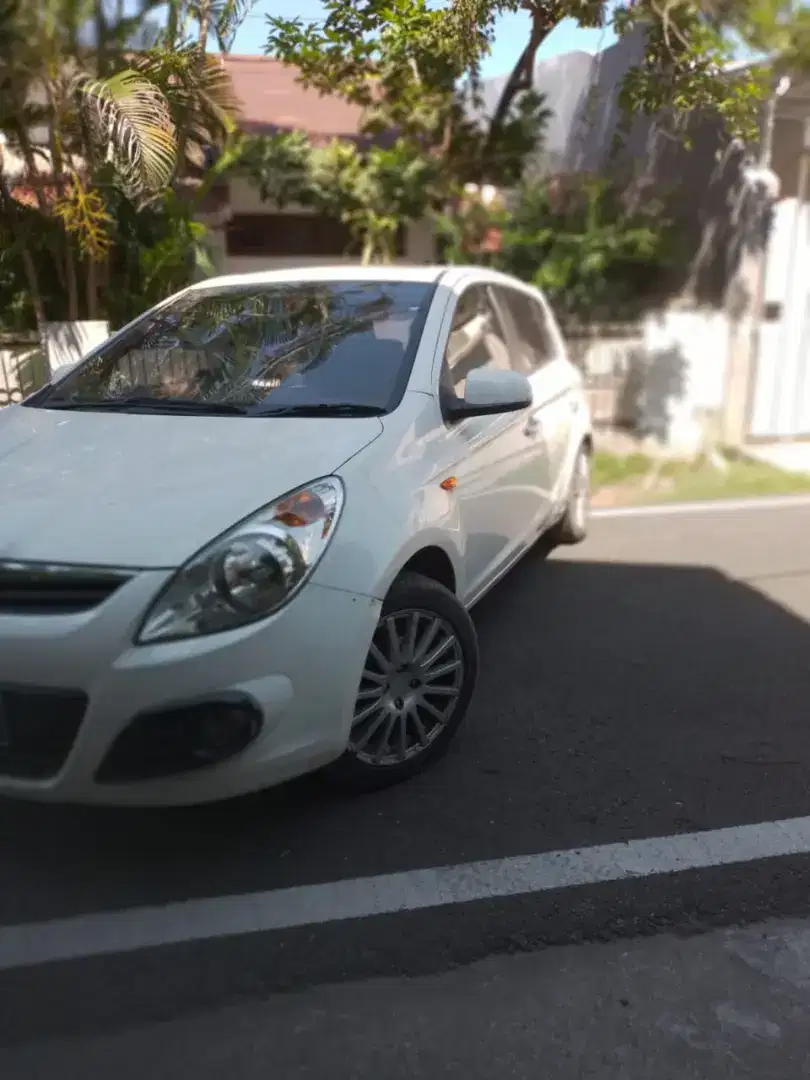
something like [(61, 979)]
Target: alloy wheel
[(411, 683)]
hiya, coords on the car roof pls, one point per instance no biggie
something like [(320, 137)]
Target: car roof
[(337, 272)]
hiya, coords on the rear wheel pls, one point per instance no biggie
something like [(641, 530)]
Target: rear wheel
[(572, 528), (416, 685)]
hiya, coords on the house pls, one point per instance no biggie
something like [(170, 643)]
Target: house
[(737, 346), (252, 235)]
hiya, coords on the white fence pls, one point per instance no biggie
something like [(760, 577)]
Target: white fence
[(662, 377)]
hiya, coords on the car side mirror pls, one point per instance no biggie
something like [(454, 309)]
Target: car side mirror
[(489, 392)]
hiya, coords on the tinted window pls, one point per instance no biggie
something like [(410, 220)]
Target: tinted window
[(476, 340), (282, 345), (535, 344)]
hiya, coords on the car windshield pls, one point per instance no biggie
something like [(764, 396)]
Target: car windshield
[(317, 348)]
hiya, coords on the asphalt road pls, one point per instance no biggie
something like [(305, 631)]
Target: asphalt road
[(652, 682)]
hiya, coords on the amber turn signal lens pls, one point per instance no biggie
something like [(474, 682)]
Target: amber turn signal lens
[(300, 510)]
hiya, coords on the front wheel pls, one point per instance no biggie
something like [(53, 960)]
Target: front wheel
[(416, 686)]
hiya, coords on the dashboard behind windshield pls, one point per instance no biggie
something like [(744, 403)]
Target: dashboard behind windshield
[(260, 349)]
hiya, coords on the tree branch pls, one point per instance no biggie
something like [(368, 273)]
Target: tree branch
[(544, 19)]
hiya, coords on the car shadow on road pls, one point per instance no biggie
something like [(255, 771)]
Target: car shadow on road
[(615, 701)]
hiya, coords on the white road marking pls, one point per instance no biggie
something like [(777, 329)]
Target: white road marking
[(709, 506), (104, 933)]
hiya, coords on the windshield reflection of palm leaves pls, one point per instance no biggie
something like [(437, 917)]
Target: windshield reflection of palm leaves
[(230, 322), (337, 318), (298, 328), (347, 319), (317, 349)]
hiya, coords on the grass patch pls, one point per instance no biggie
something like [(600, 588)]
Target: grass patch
[(609, 469), (632, 479)]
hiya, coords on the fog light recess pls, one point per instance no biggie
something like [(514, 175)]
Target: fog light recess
[(181, 739)]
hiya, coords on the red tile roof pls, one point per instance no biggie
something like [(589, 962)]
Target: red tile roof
[(273, 98)]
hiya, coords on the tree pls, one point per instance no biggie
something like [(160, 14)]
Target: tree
[(419, 144), (414, 71), (374, 191), (127, 133), (401, 61), (596, 259), (687, 45)]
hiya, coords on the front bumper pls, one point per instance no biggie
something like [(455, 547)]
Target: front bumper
[(301, 668)]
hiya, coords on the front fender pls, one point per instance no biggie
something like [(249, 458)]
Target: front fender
[(371, 548), (395, 507)]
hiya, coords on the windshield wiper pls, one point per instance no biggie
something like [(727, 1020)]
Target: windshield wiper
[(153, 404), (338, 408)]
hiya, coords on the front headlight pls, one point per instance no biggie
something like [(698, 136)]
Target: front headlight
[(250, 571)]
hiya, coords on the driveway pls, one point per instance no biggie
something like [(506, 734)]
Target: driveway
[(649, 685)]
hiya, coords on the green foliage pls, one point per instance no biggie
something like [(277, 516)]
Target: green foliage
[(687, 44), (405, 64), (156, 251), (499, 154), (683, 72), (593, 257), (127, 138), (464, 229), (374, 191), (391, 58), (16, 312), (41, 237), (130, 124), (278, 166), (202, 103), (577, 241), (118, 117), (412, 67)]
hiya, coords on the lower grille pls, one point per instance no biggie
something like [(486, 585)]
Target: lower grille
[(38, 589), (37, 730)]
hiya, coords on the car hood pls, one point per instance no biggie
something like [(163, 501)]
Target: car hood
[(149, 490)]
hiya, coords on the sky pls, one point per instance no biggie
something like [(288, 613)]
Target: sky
[(510, 36)]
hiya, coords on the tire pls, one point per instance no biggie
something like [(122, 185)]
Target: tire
[(416, 602), (572, 528)]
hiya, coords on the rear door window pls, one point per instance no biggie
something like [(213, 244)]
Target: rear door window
[(535, 343)]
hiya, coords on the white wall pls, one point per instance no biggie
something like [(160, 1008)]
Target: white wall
[(69, 342), (683, 368), (669, 376)]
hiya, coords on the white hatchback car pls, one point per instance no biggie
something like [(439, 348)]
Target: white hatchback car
[(240, 540)]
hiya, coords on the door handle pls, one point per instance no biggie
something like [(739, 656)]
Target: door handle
[(533, 425)]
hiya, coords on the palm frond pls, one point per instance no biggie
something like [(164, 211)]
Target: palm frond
[(199, 91), (133, 123)]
